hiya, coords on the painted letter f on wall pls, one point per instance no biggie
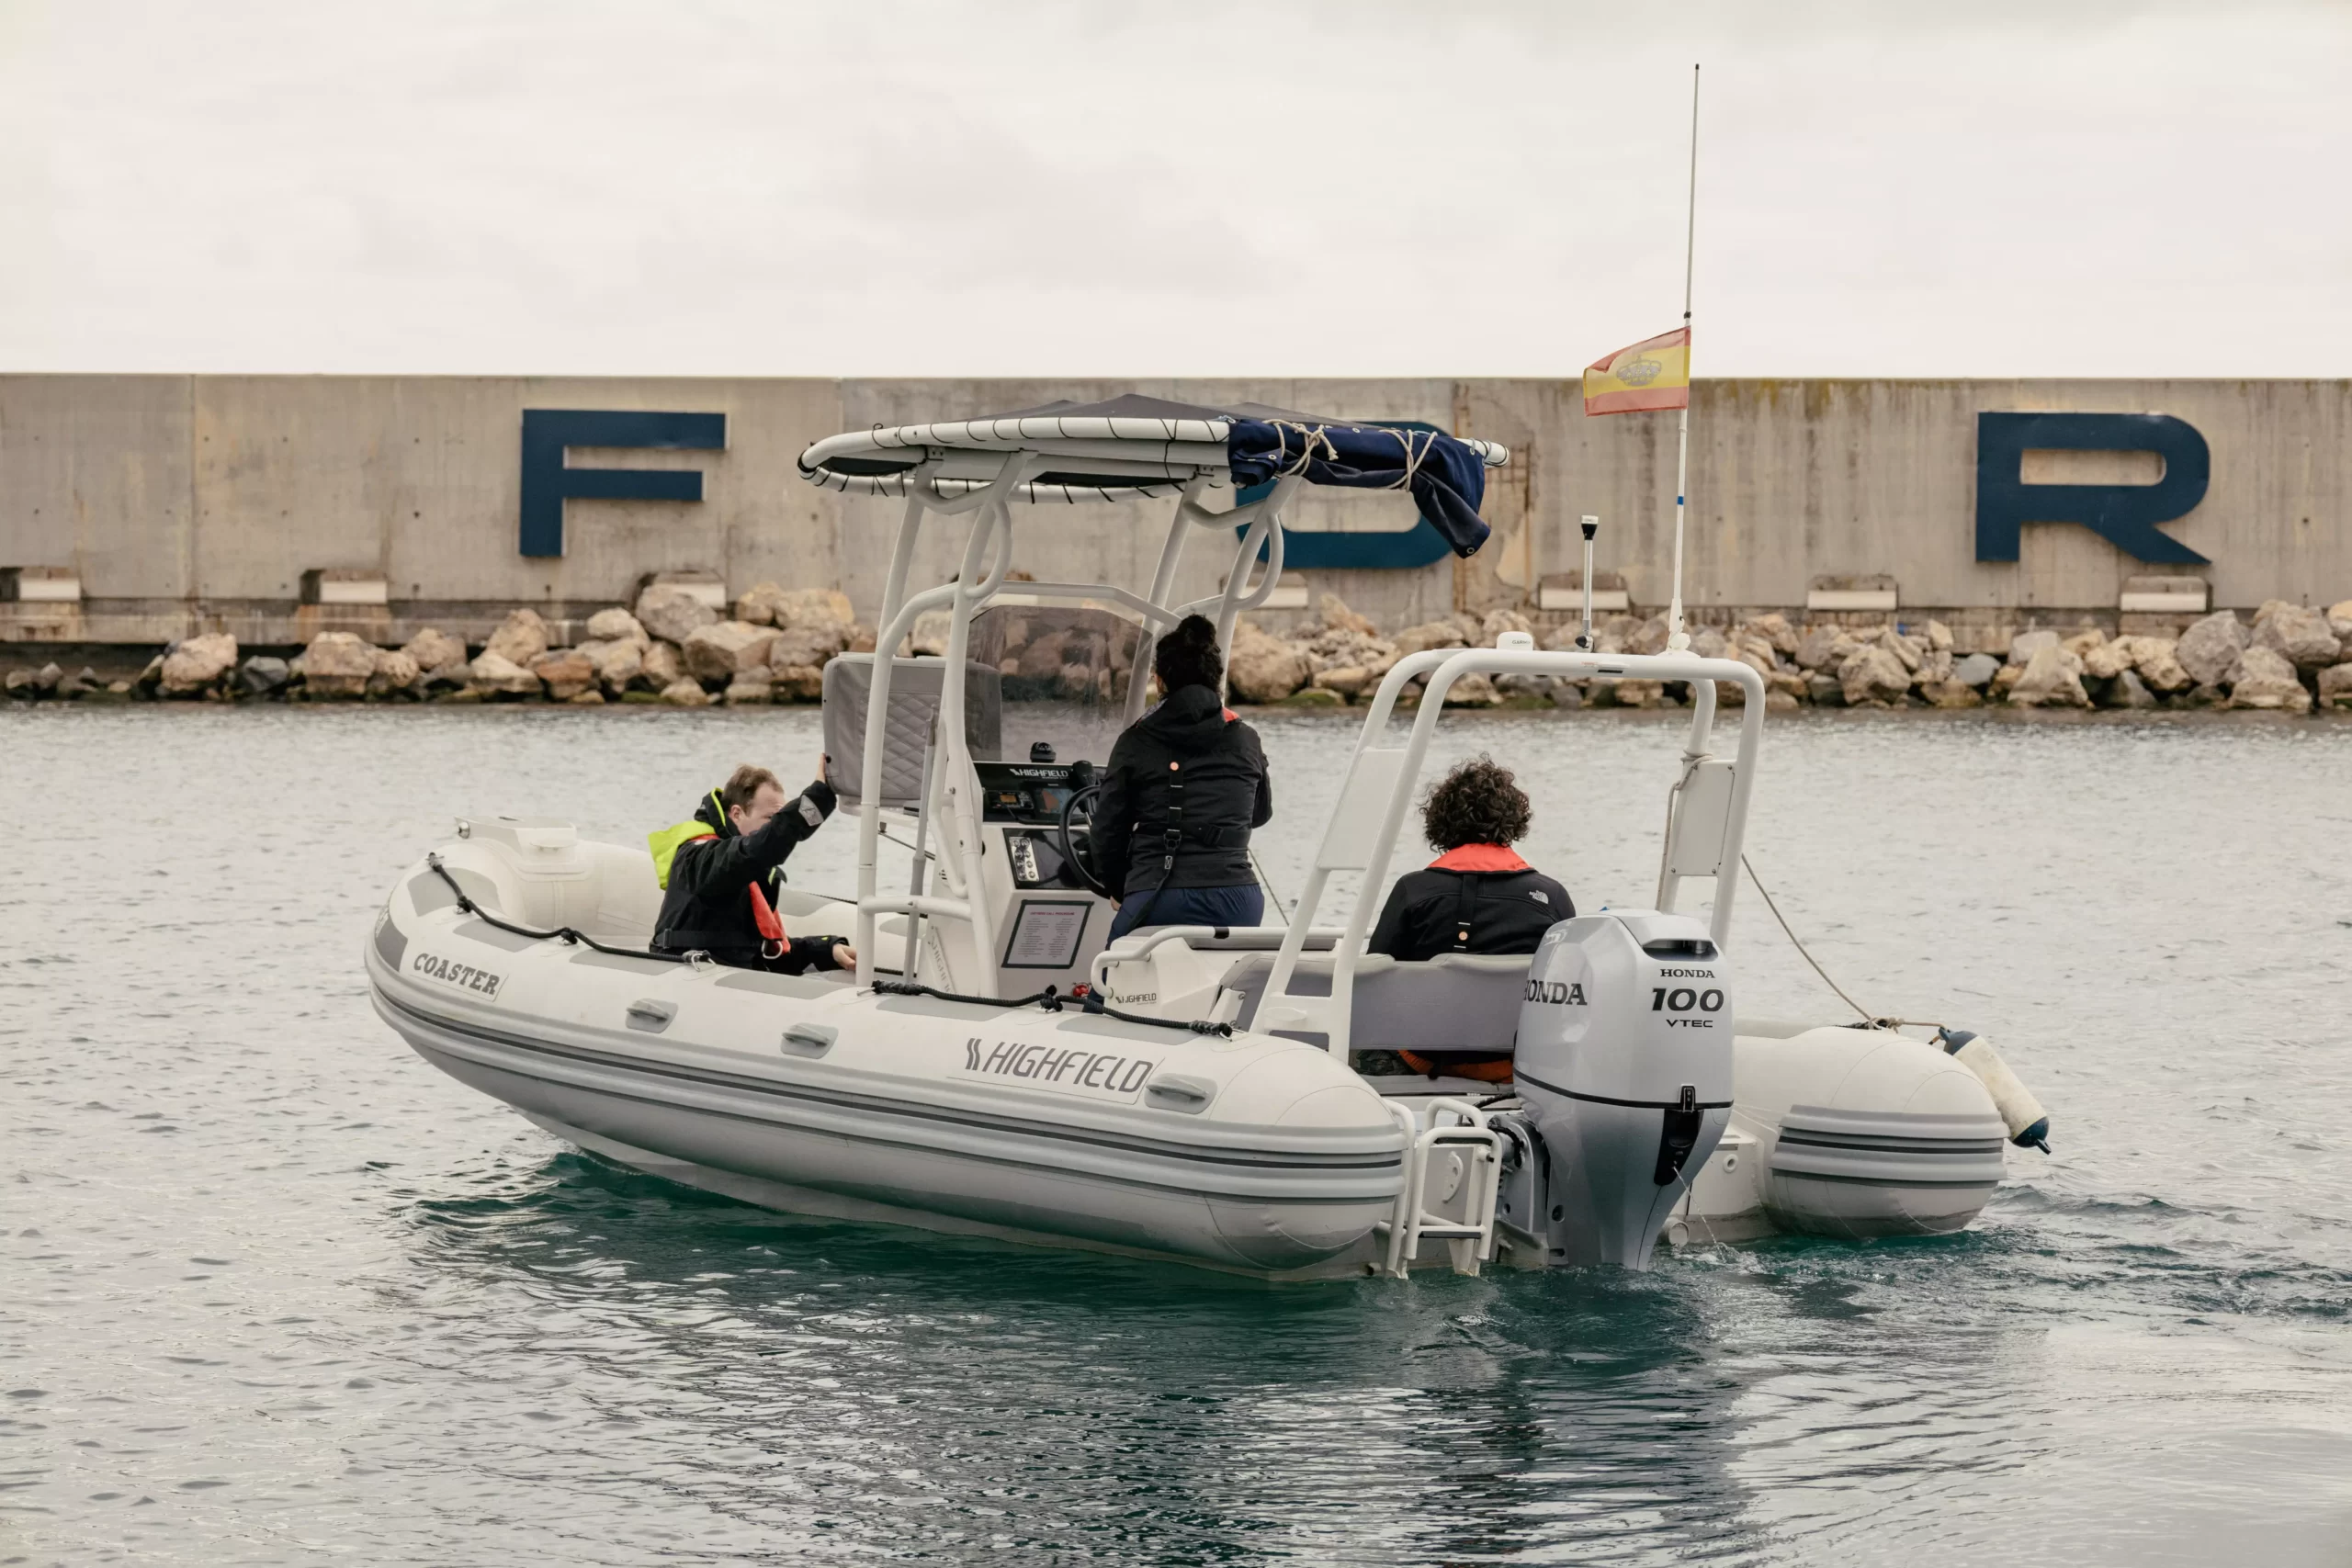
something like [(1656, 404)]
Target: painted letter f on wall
[(547, 483), (2125, 515)]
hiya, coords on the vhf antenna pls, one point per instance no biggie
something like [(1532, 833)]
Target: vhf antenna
[(1584, 638)]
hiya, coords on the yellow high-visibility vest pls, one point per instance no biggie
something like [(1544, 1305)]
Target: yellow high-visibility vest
[(666, 843)]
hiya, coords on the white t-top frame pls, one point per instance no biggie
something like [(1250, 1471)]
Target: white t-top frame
[(951, 812)]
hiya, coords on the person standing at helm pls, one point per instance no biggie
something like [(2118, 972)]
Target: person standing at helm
[(721, 870), (1185, 784)]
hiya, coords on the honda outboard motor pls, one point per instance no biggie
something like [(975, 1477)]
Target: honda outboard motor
[(1624, 1063)]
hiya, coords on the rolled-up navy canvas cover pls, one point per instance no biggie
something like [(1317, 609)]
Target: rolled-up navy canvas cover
[(1448, 480)]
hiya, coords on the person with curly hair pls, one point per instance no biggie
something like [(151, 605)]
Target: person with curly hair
[(1477, 897)]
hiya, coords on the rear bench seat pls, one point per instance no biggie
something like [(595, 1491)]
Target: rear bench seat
[(1456, 1002)]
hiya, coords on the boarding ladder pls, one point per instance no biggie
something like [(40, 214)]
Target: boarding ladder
[(1455, 1127)]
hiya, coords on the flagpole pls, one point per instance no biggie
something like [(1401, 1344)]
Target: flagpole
[(1677, 638)]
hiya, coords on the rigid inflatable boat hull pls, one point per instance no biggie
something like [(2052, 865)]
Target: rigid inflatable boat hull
[(1252, 1154)]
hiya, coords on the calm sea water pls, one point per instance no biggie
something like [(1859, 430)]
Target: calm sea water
[(274, 1290)]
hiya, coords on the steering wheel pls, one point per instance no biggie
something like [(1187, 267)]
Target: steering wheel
[(1080, 862)]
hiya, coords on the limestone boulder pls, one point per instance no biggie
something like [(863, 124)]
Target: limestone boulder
[(336, 664), (2081, 643), (196, 665), (1649, 637), (2153, 657), (1264, 669), (1347, 680), (1822, 690), (1345, 647), (395, 675), (1817, 649), (725, 650), (2299, 635), (1939, 636), (262, 676), (433, 649), (495, 675), (813, 607), (752, 690), (521, 637), (2025, 645), (928, 635), (1708, 643), (1774, 629), (2105, 661), (1976, 670), (2052, 678), (566, 673), (617, 625), (759, 603), (661, 666), (797, 683), (2339, 621), (864, 638), (1337, 617), (1911, 652), (812, 643), (2335, 686), (2126, 690), (1633, 693), (671, 612), (2210, 648), (685, 693), (1873, 674), (617, 661), (1951, 694), (2266, 679), (1612, 634), (1429, 635), (1496, 622), (1473, 690)]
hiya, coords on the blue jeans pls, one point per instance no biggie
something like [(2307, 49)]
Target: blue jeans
[(1242, 905)]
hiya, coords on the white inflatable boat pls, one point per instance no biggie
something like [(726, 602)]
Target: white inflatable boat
[(1221, 1097)]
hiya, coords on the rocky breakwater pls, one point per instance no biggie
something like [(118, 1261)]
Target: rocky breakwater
[(771, 644), (2288, 658), (670, 647)]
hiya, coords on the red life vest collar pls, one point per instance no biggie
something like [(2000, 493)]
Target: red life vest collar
[(1478, 857)]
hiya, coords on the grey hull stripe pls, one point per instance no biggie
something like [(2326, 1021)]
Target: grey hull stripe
[(1060, 1171), (1628, 1105), (1865, 1143), (873, 1103), (1881, 1180)]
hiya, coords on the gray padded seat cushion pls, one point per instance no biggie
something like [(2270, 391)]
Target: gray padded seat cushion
[(1456, 1002), (914, 702)]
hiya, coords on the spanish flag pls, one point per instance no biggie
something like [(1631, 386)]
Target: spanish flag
[(1653, 374)]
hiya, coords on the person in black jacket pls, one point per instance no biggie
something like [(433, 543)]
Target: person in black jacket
[(719, 881), (1185, 784), (1478, 896)]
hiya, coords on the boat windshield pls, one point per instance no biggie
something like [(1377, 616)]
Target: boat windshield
[(1064, 668)]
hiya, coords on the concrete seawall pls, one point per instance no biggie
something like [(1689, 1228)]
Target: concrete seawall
[(275, 507)]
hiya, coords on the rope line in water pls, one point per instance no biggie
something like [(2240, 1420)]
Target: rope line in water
[(1873, 1019)]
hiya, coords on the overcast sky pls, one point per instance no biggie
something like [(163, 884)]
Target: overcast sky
[(1473, 187)]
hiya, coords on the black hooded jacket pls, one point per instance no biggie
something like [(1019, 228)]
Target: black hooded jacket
[(1191, 767), (708, 904)]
